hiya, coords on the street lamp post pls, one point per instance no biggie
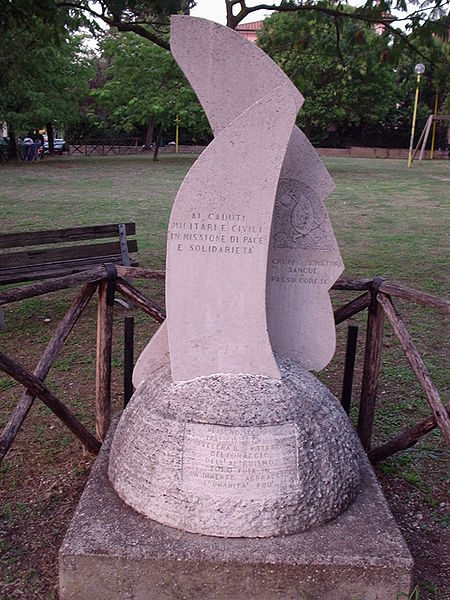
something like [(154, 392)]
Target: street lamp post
[(419, 69)]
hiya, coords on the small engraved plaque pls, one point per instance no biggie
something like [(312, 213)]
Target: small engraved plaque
[(239, 462)]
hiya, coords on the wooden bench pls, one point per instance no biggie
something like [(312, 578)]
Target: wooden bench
[(49, 255)]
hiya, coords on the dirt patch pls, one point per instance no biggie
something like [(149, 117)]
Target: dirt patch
[(425, 529), (33, 523)]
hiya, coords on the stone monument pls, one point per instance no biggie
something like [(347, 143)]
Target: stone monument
[(224, 438), (228, 433)]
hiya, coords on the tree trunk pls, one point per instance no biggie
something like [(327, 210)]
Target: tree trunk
[(50, 138), (184, 8), (158, 139), (13, 154), (149, 136), (307, 130)]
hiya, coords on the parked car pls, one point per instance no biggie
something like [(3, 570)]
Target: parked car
[(59, 145)]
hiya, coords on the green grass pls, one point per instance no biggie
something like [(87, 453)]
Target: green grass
[(388, 220), (96, 190)]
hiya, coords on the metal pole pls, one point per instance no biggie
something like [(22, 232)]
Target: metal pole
[(128, 359), (349, 367), (434, 127), (177, 121), (416, 101)]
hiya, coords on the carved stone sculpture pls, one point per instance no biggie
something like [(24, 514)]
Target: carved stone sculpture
[(228, 433)]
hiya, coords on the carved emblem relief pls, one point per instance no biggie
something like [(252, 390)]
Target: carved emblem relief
[(300, 220)]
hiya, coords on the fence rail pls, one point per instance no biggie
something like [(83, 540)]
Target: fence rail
[(109, 279), (103, 148)]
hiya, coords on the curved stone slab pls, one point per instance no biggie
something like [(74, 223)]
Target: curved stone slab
[(227, 72), (153, 356), (218, 243), (304, 260), (299, 317), (226, 86)]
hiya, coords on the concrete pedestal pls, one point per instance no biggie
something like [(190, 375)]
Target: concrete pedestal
[(111, 552)]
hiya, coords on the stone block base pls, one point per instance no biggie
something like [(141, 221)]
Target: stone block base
[(111, 552)]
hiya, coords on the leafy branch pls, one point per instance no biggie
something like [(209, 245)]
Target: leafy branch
[(373, 16), (146, 20)]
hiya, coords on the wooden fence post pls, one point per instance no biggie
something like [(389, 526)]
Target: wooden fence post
[(418, 366), (372, 362), (104, 349)]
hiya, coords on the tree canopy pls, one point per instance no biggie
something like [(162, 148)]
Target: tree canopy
[(347, 84), (143, 86), (44, 73), (347, 73), (360, 87), (399, 18), (149, 18)]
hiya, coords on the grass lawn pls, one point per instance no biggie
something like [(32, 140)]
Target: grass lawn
[(388, 220)]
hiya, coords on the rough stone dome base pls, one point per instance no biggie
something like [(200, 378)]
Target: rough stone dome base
[(236, 455)]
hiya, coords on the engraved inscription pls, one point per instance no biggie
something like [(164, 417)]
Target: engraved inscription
[(216, 233), (312, 271), (239, 462)]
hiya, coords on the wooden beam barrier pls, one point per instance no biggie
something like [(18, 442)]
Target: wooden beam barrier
[(104, 351), (52, 285), (350, 283), (37, 388), (68, 281), (416, 296), (139, 273), (59, 337), (97, 273), (418, 366), (371, 370), (130, 292), (405, 440), (352, 308)]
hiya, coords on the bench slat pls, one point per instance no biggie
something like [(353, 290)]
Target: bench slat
[(72, 234), (52, 266), (55, 270), (32, 258)]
